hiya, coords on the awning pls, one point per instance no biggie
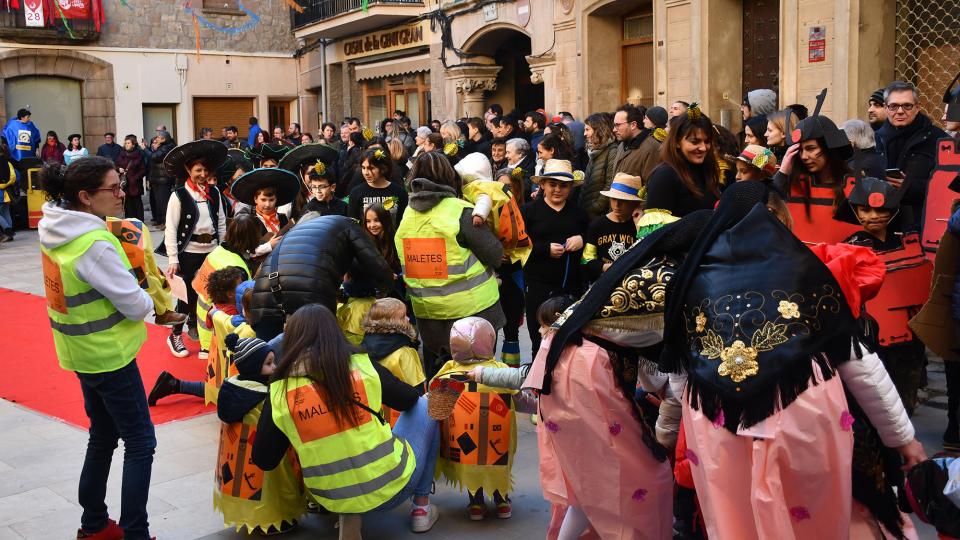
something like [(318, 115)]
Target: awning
[(393, 67)]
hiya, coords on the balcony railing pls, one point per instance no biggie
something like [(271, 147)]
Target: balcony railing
[(46, 29), (321, 10)]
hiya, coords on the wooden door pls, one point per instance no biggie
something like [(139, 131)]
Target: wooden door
[(217, 113), (761, 45), (636, 59), (279, 115)]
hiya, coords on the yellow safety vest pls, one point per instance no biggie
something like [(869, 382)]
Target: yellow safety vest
[(346, 469), (444, 279), (90, 335), (218, 259), (220, 362)]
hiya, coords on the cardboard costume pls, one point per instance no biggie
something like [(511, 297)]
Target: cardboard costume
[(219, 367), (943, 190), (137, 245)]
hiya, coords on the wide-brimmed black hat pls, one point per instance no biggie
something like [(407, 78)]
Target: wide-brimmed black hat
[(236, 159), (274, 151), (214, 153), (295, 159), (871, 192), (951, 96), (749, 308), (286, 183)]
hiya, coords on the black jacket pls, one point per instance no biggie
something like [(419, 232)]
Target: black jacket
[(913, 150), (156, 173), (868, 162), (311, 260)]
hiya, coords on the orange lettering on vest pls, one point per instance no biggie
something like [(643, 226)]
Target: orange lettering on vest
[(425, 258), (313, 419), (53, 285), (199, 282)]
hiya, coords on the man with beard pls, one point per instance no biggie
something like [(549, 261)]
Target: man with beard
[(639, 152)]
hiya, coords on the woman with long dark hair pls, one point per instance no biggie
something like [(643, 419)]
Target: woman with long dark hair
[(689, 177), (602, 152), (96, 309), (52, 150), (325, 402)]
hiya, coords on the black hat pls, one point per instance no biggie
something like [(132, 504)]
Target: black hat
[(749, 308), (286, 183), (821, 127), (236, 159), (876, 97), (951, 96), (758, 125), (273, 151), (214, 153), (871, 192), (249, 355), (295, 159)]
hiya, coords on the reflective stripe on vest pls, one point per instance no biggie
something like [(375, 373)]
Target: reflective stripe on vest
[(368, 487), (92, 295), (453, 288), (353, 462), (87, 328)]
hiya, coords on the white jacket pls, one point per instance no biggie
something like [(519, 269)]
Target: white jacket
[(866, 378), (101, 265)]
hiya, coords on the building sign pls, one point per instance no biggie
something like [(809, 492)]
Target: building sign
[(394, 39), (33, 12), (817, 44)]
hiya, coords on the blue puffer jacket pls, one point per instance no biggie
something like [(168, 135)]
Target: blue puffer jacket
[(954, 227)]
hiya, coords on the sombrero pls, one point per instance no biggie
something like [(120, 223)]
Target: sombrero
[(286, 183), (308, 153), (269, 151), (236, 159), (214, 153)]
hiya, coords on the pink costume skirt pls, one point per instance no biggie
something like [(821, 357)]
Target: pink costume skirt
[(591, 452), (794, 483)]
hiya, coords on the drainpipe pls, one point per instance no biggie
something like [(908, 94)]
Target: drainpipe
[(325, 97)]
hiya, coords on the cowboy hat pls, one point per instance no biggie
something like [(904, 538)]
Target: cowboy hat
[(214, 153), (557, 169), (286, 183), (626, 187), (301, 155)]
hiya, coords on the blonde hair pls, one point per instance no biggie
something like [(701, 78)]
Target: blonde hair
[(388, 315), (779, 119), (450, 132), (397, 151)]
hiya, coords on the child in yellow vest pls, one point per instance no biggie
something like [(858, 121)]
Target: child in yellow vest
[(360, 296), (136, 243), (266, 502), (479, 439), (390, 339)]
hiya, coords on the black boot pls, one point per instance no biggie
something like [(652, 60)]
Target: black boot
[(166, 385)]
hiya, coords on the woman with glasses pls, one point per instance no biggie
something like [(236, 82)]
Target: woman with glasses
[(96, 309)]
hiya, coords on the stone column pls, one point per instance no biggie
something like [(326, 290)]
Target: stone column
[(470, 83)]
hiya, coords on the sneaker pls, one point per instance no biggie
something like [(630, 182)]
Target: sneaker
[(175, 342), (477, 511), (111, 532), (166, 385), (504, 510), (422, 518), (192, 333), (204, 354), (170, 318), (4, 238)]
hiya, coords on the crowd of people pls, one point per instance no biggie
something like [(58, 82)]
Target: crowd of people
[(695, 300)]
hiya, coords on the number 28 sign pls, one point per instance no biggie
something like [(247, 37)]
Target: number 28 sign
[(33, 12)]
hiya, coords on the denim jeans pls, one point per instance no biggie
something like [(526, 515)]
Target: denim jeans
[(116, 404), (423, 433), (6, 222)]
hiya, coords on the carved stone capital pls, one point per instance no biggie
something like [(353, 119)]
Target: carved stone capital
[(475, 85), (472, 81), (539, 64)]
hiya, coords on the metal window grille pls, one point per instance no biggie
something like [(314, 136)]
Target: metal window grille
[(927, 50)]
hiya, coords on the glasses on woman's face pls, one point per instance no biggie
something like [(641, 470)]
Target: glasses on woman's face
[(116, 189), (907, 107)]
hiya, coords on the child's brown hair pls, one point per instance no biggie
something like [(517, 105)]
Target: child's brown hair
[(223, 282), (387, 316)]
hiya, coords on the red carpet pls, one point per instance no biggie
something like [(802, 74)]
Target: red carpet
[(32, 376)]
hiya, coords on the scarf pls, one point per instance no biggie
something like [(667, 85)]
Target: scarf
[(272, 221), (202, 189), (895, 139)]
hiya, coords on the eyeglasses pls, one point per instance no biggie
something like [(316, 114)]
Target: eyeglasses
[(907, 107), (117, 189)]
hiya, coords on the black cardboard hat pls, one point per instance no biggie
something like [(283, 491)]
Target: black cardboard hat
[(286, 183), (951, 96), (301, 155), (214, 153), (818, 126), (273, 151), (871, 192), (236, 159)]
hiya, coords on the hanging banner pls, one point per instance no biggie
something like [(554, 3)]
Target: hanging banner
[(33, 13), (75, 9)]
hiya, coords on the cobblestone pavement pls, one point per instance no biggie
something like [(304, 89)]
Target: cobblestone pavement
[(40, 460)]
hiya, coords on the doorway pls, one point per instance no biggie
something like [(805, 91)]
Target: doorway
[(761, 45), (512, 56), (636, 59), (54, 104), (159, 115), (279, 115)]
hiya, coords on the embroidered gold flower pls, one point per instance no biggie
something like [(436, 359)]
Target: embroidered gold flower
[(738, 362), (789, 310), (320, 168), (451, 149), (578, 176), (701, 322), (367, 133), (660, 134)]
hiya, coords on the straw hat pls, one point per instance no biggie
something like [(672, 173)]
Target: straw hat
[(557, 169), (626, 187)]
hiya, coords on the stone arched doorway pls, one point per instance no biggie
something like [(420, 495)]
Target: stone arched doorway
[(95, 76)]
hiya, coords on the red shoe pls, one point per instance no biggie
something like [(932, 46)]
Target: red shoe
[(477, 511), (504, 510), (111, 532)]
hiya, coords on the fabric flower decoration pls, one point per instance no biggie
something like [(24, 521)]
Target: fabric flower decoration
[(789, 310), (516, 173), (367, 133), (578, 176), (760, 160), (378, 154), (660, 134), (701, 321), (846, 421), (738, 362), (451, 149), (388, 204), (799, 513), (320, 168), (694, 112), (640, 495)]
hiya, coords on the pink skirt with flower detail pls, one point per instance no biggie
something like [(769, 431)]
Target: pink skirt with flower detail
[(592, 454), (796, 484)]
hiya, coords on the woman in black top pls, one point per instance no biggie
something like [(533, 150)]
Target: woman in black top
[(377, 169), (689, 177), (556, 227)]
